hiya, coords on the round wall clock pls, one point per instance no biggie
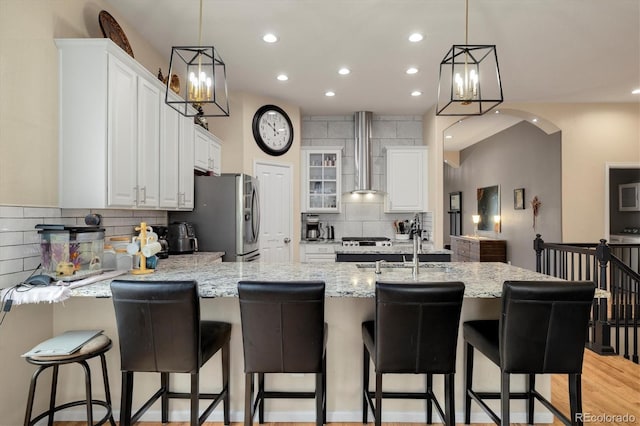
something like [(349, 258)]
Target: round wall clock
[(272, 130)]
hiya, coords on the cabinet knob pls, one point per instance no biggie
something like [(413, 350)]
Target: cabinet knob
[(287, 240)]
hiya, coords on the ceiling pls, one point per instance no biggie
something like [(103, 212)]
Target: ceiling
[(548, 50)]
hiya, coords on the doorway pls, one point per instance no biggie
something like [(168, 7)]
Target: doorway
[(276, 211)]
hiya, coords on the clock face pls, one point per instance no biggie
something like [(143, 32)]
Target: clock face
[(272, 130)]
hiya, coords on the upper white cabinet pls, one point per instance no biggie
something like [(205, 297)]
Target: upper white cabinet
[(406, 179), (321, 180), (176, 177), (118, 139), (208, 151)]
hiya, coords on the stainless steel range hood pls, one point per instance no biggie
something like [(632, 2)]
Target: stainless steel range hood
[(363, 153)]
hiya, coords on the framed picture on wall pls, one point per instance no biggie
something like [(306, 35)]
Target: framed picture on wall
[(455, 201), (518, 199)]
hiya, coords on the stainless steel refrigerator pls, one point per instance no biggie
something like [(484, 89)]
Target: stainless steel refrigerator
[(226, 216)]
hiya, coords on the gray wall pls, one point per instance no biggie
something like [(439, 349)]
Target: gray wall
[(522, 156)]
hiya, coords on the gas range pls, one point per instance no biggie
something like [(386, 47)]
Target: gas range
[(366, 242)]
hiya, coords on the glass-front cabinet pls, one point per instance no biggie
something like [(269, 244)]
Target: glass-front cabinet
[(321, 179)]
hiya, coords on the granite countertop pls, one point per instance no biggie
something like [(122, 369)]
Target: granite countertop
[(482, 280), (396, 248)]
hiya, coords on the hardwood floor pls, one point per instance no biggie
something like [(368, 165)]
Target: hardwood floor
[(610, 386)]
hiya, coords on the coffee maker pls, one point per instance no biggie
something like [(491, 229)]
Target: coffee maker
[(312, 228)]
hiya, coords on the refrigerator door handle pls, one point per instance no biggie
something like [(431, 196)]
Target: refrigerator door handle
[(255, 214)]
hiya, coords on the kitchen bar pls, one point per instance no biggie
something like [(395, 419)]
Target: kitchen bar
[(349, 301)]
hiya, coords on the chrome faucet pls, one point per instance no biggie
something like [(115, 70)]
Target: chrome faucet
[(417, 247), (378, 262)]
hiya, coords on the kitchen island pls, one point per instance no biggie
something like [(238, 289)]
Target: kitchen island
[(350, 301)]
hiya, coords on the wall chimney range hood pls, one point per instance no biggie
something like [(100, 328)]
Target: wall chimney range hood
[(363, 153)]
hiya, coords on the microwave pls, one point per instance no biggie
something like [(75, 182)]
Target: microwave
[(629, 197)]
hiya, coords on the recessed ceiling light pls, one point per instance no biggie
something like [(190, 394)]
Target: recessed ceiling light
[(412, 70), (282, 77), (269, 38), (330, 93), (497, 111), (635, 92), (416, 93), (415, 37), (344, 71), (448, 137), (535, 120)]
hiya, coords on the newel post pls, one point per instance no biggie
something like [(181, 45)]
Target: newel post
[(602, 330), (538, 246)]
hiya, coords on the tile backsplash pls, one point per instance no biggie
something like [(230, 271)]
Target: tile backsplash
[(364, 215), (20, 242)]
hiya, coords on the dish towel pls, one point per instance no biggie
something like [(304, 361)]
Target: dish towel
[(23, 295)]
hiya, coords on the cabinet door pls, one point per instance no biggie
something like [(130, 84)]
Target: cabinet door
[(186, 156), (406, 180), (215, 153), (321, 181), (202, 155), (170, 139), (148, 144), (121, 135)]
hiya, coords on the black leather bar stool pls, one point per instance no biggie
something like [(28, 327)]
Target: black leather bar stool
[(415, 332), (160, 331), (542, 330), (95, 347), (283, 331)]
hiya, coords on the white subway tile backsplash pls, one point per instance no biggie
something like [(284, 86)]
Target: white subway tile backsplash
[(15, 278), (409, 129), (19, 252), (31, 237), (10, 266), (351, 229), (11, 238), (383, 129), (41, 212), (79, 213), (361, 212), (314, 129), (15, 224), (31, 263), (340, 129), (11, 211)]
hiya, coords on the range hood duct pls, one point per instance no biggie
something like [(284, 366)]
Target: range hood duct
[(363, 153)]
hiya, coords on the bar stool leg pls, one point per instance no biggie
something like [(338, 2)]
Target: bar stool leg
[(195, 396), (225, 381), (52, 396), (531, 386), (32, 393), (319, 398), (164, 399), (324, 389), (449, 400), (107, 389), (504, 399), (87, 385), (428, 401), (378, 408), (575, 398), (468, 381), (248, 399), (365, 385), (261, 398), (126, 398)]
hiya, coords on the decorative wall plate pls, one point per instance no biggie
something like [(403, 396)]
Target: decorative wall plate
[(111, 29)]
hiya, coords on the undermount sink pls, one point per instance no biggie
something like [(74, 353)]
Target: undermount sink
[(391, 267)]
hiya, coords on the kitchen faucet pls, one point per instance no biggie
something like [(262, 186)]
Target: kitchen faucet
[(417, 247)]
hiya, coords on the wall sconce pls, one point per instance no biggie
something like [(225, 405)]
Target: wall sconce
[(476, 220), (496, 223)]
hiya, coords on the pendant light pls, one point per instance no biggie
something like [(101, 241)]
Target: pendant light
[(469, 82), (205, 80)]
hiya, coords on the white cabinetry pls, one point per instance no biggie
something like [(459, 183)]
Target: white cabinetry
[(176, 177), (406, 179), (111, 120), (321, 180), (208, 152), (317, 253)]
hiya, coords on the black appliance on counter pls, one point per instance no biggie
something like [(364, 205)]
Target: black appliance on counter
[(181, 238), (162, 232)]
